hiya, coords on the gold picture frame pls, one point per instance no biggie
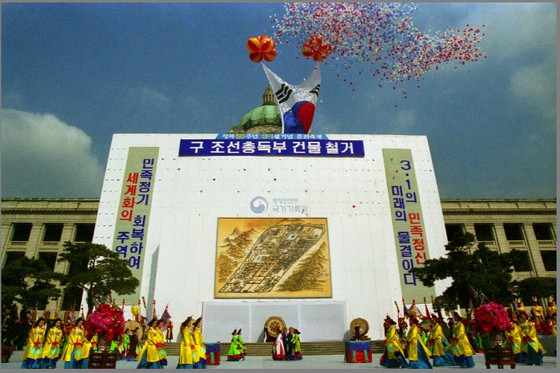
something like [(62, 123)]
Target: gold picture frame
[(272, 258)]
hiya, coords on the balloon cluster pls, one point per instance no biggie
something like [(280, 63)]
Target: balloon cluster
[(261, 47), (376, 38), (316, 48)]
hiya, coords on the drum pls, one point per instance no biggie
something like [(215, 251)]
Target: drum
[(273, 324)]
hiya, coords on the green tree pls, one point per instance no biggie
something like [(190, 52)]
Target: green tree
[(483, 275), (29, 281), (540, 287), (98, 271)]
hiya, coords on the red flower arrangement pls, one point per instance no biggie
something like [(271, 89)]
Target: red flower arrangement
[(491, 317), (106, 320)]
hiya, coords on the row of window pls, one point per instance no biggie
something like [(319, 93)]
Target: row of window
[(513, 231), (52, 232)]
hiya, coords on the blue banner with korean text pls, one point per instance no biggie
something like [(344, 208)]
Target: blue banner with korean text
[(131, 226), (408, 222), (271, 147)]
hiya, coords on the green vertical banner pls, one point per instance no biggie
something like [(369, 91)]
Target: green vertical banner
[(135, 202), (408, 222)]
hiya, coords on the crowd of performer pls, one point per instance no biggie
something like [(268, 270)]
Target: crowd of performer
[(287, 345), (414, 341), (50, 341), (424, 342)]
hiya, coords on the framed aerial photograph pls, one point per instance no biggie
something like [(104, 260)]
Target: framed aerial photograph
[(272, 258)]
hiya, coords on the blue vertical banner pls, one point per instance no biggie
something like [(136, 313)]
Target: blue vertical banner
[(408, 222)]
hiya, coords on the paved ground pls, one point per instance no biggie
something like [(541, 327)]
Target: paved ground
[(308, 362)]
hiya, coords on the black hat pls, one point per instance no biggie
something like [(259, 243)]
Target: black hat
[(234, 332)]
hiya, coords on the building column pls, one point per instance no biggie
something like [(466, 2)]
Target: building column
[(534, 250), (32, 247), (501, 239)]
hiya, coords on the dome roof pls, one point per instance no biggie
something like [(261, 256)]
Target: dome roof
[(262, 119)]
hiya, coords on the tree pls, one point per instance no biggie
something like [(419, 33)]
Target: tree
[(29, 281), (97, 270), (483, 276), (540, 287)]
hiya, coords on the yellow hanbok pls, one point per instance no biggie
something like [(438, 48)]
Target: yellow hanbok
[(513, 338), (418, 353), (76, 351), (393, 356), (33, 354), (186, 350), (531, 347), (53, 345), (150, 354), (437, 344), (199, 349), (461, 347)]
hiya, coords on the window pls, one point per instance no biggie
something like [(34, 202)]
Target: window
[(21, 232), (543, 231), (549, 259), (514, 232), (49, 258), (84, 232), (453, 230), (12, 256), (53, 232), (484, 232), (524, 264)]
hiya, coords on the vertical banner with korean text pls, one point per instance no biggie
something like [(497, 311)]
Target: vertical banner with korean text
[(135, 201), (408, 222)]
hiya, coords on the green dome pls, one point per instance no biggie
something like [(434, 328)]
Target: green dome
[(262, 119)]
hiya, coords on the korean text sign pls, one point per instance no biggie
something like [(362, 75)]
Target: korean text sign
[(408, 222), (271, 147), (135, 202)]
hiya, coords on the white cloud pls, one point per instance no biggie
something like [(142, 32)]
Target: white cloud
[(513, 29), (535, 87), (45, 157), (149, 97)]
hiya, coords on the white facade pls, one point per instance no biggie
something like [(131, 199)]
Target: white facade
[(191, 193)]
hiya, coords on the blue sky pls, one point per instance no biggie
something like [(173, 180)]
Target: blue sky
[(75, 73)]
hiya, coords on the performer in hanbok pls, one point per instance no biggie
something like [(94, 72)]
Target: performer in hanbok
[(418, 354), (199, 346), (278, 348), (235, 352), (513, 340), (132, 349), (169, 331), (297, 345), (437, 344), (460, 345), (530, 344), (76, 351), (537, 315), (33, 354), (242, 344), (393, 356), (153, 354), (125, 343), (290, 344), (187, 347), (53, 345)]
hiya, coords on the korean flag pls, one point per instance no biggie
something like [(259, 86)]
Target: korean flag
[(296, 102)]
